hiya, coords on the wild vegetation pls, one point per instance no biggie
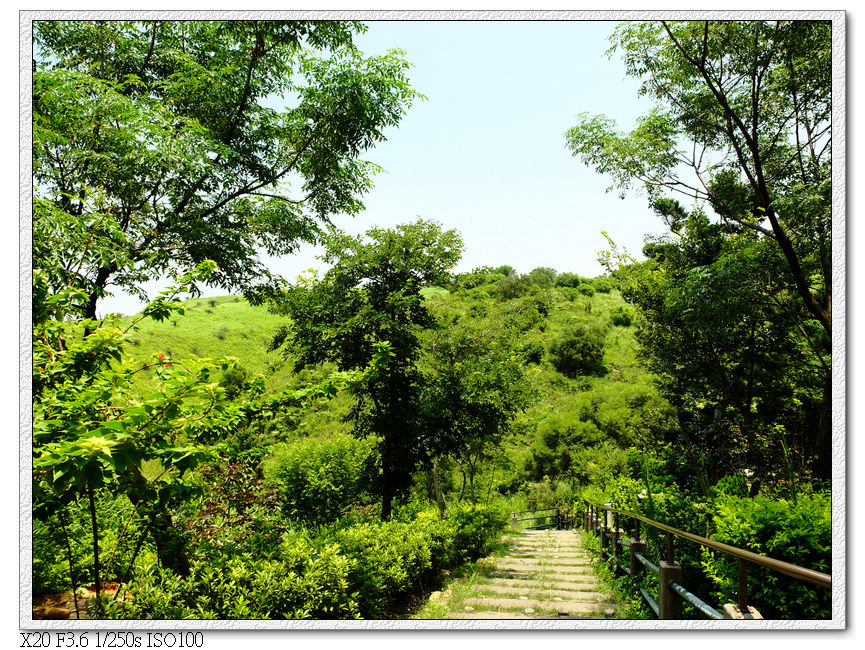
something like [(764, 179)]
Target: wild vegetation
[(333, 447)]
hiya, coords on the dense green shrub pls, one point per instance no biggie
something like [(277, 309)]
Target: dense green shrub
[(559, 436), (512, 286), (476, 528), (318, 477), (569, 280), (603, 284), (579, 351), (234, 381), (532, 350), (543, 277), (364, 569), (620, 316), (798, 532), (599, 463), (586, 289), (388, 559), (549, 493), (300, 581)]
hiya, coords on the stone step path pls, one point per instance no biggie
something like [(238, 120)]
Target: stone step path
[(546, 573)]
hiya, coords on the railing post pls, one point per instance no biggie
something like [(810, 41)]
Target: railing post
[(741, 610), (669, 602), (638, 545), (615, 537), (602, 528)]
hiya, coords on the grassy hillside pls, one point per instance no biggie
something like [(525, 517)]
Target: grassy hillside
[(573, 429), (225, 326)]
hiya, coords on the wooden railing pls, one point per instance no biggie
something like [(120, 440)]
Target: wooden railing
[(557, 518), (604, 520)]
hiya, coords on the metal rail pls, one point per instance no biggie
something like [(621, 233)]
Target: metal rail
[(597, 519), (557, 518), (792, 570), (708, 610)]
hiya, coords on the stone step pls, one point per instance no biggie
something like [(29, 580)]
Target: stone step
[(538, 606), (516, 574), (539, 593), (577, 550), (546, 574), (590, 584), (516, 565), (486, 615), (552, 560), (576, 555), (545, 549)]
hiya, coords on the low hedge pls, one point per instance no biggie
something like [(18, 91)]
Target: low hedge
[(361, 571)]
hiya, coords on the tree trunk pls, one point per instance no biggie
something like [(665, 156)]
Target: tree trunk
[(386, 500), (100, 281), (95, 530), (170, 546), (437, 486), (822, 467)]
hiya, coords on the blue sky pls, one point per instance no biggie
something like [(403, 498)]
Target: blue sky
[(485, 153)]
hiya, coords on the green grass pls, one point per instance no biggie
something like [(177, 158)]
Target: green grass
[(226, 326)]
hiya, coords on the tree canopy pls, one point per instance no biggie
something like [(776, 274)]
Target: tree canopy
[(741, 126), (161, 144), (743, 122), (371, 295)]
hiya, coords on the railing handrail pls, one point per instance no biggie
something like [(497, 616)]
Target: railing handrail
[(794, 570), (519, 512)]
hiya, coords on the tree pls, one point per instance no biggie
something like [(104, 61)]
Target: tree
[(474, 387), (156, 144), (743, 125), (370, 295), (716, 329)]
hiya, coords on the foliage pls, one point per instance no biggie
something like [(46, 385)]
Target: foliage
[(548, 493), (233, 381), (476, 527), (798, 532), (620, 317), (542, 276), (579, 351), (715, 326), (569, 280), (473, 389), (318, 477), (586, 289), (512, 286), (603, 284), (154, 148), (371, 294), (91, 431), (301, 581), (391, 558), (742, 123)]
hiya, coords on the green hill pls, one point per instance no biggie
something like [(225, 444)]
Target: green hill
[(226, 326), (574, 429)]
